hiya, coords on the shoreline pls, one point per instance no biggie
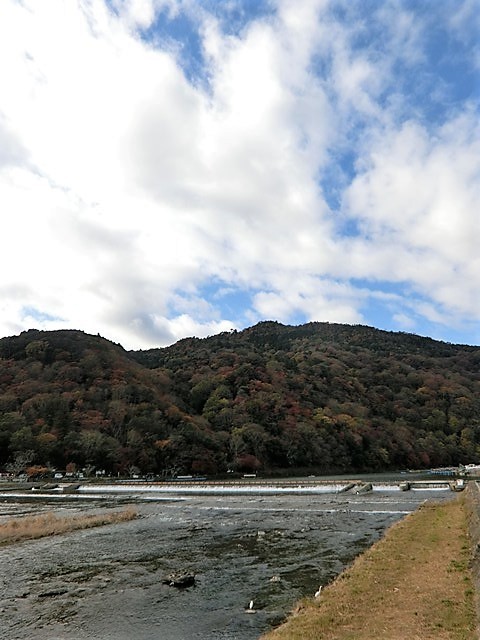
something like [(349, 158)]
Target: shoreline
[(421, 580)]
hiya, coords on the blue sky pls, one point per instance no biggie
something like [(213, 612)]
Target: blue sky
[(171, 168)]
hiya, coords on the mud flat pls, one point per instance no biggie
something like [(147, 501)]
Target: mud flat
[(107, 583)]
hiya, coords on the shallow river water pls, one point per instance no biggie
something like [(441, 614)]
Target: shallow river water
[(106, 583)]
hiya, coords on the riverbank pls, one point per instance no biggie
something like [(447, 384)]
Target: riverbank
[(50, 524), (418, 582), (272, 549)]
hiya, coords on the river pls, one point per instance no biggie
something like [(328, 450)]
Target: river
[(106, 583)]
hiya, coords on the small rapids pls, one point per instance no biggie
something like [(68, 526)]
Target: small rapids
[(107, 583)]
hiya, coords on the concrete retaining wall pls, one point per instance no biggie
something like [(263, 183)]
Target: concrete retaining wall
[(472, 498)]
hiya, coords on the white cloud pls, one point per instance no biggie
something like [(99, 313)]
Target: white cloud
[(125, 187), (314, 298), (404, 321), (419, 198)]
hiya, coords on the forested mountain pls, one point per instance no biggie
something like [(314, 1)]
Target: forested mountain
[(322, 397)]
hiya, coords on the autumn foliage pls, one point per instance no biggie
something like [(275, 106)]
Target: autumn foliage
[(319, 397)]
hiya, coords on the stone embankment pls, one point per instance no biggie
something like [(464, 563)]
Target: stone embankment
[(472, 497)]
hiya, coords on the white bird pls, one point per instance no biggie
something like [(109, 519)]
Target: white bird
[(250, 608), (318, 592)]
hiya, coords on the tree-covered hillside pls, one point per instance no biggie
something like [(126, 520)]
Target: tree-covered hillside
[(326, 397)]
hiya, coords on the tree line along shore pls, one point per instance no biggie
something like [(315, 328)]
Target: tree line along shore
[(316, 398)]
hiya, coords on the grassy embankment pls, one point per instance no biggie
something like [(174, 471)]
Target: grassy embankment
[(416, 583), (49, 524)]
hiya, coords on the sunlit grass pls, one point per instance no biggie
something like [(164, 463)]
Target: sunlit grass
[(50, 524)]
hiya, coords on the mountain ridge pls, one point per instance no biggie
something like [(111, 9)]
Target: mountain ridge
[(320, 396)]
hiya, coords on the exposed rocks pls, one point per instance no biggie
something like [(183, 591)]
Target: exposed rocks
[(362, 488), (346, 488), (53, 593), (180, 579), (71, 488)]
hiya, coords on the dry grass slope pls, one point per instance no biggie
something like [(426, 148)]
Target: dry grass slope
[(415, 584), (49, 524)]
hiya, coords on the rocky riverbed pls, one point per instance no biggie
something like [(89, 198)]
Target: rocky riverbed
[(109, 583)]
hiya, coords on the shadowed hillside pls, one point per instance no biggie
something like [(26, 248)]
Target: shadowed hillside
[(323, 397)]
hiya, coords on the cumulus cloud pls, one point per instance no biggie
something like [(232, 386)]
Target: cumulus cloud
[(419, 195), (301, 168)]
